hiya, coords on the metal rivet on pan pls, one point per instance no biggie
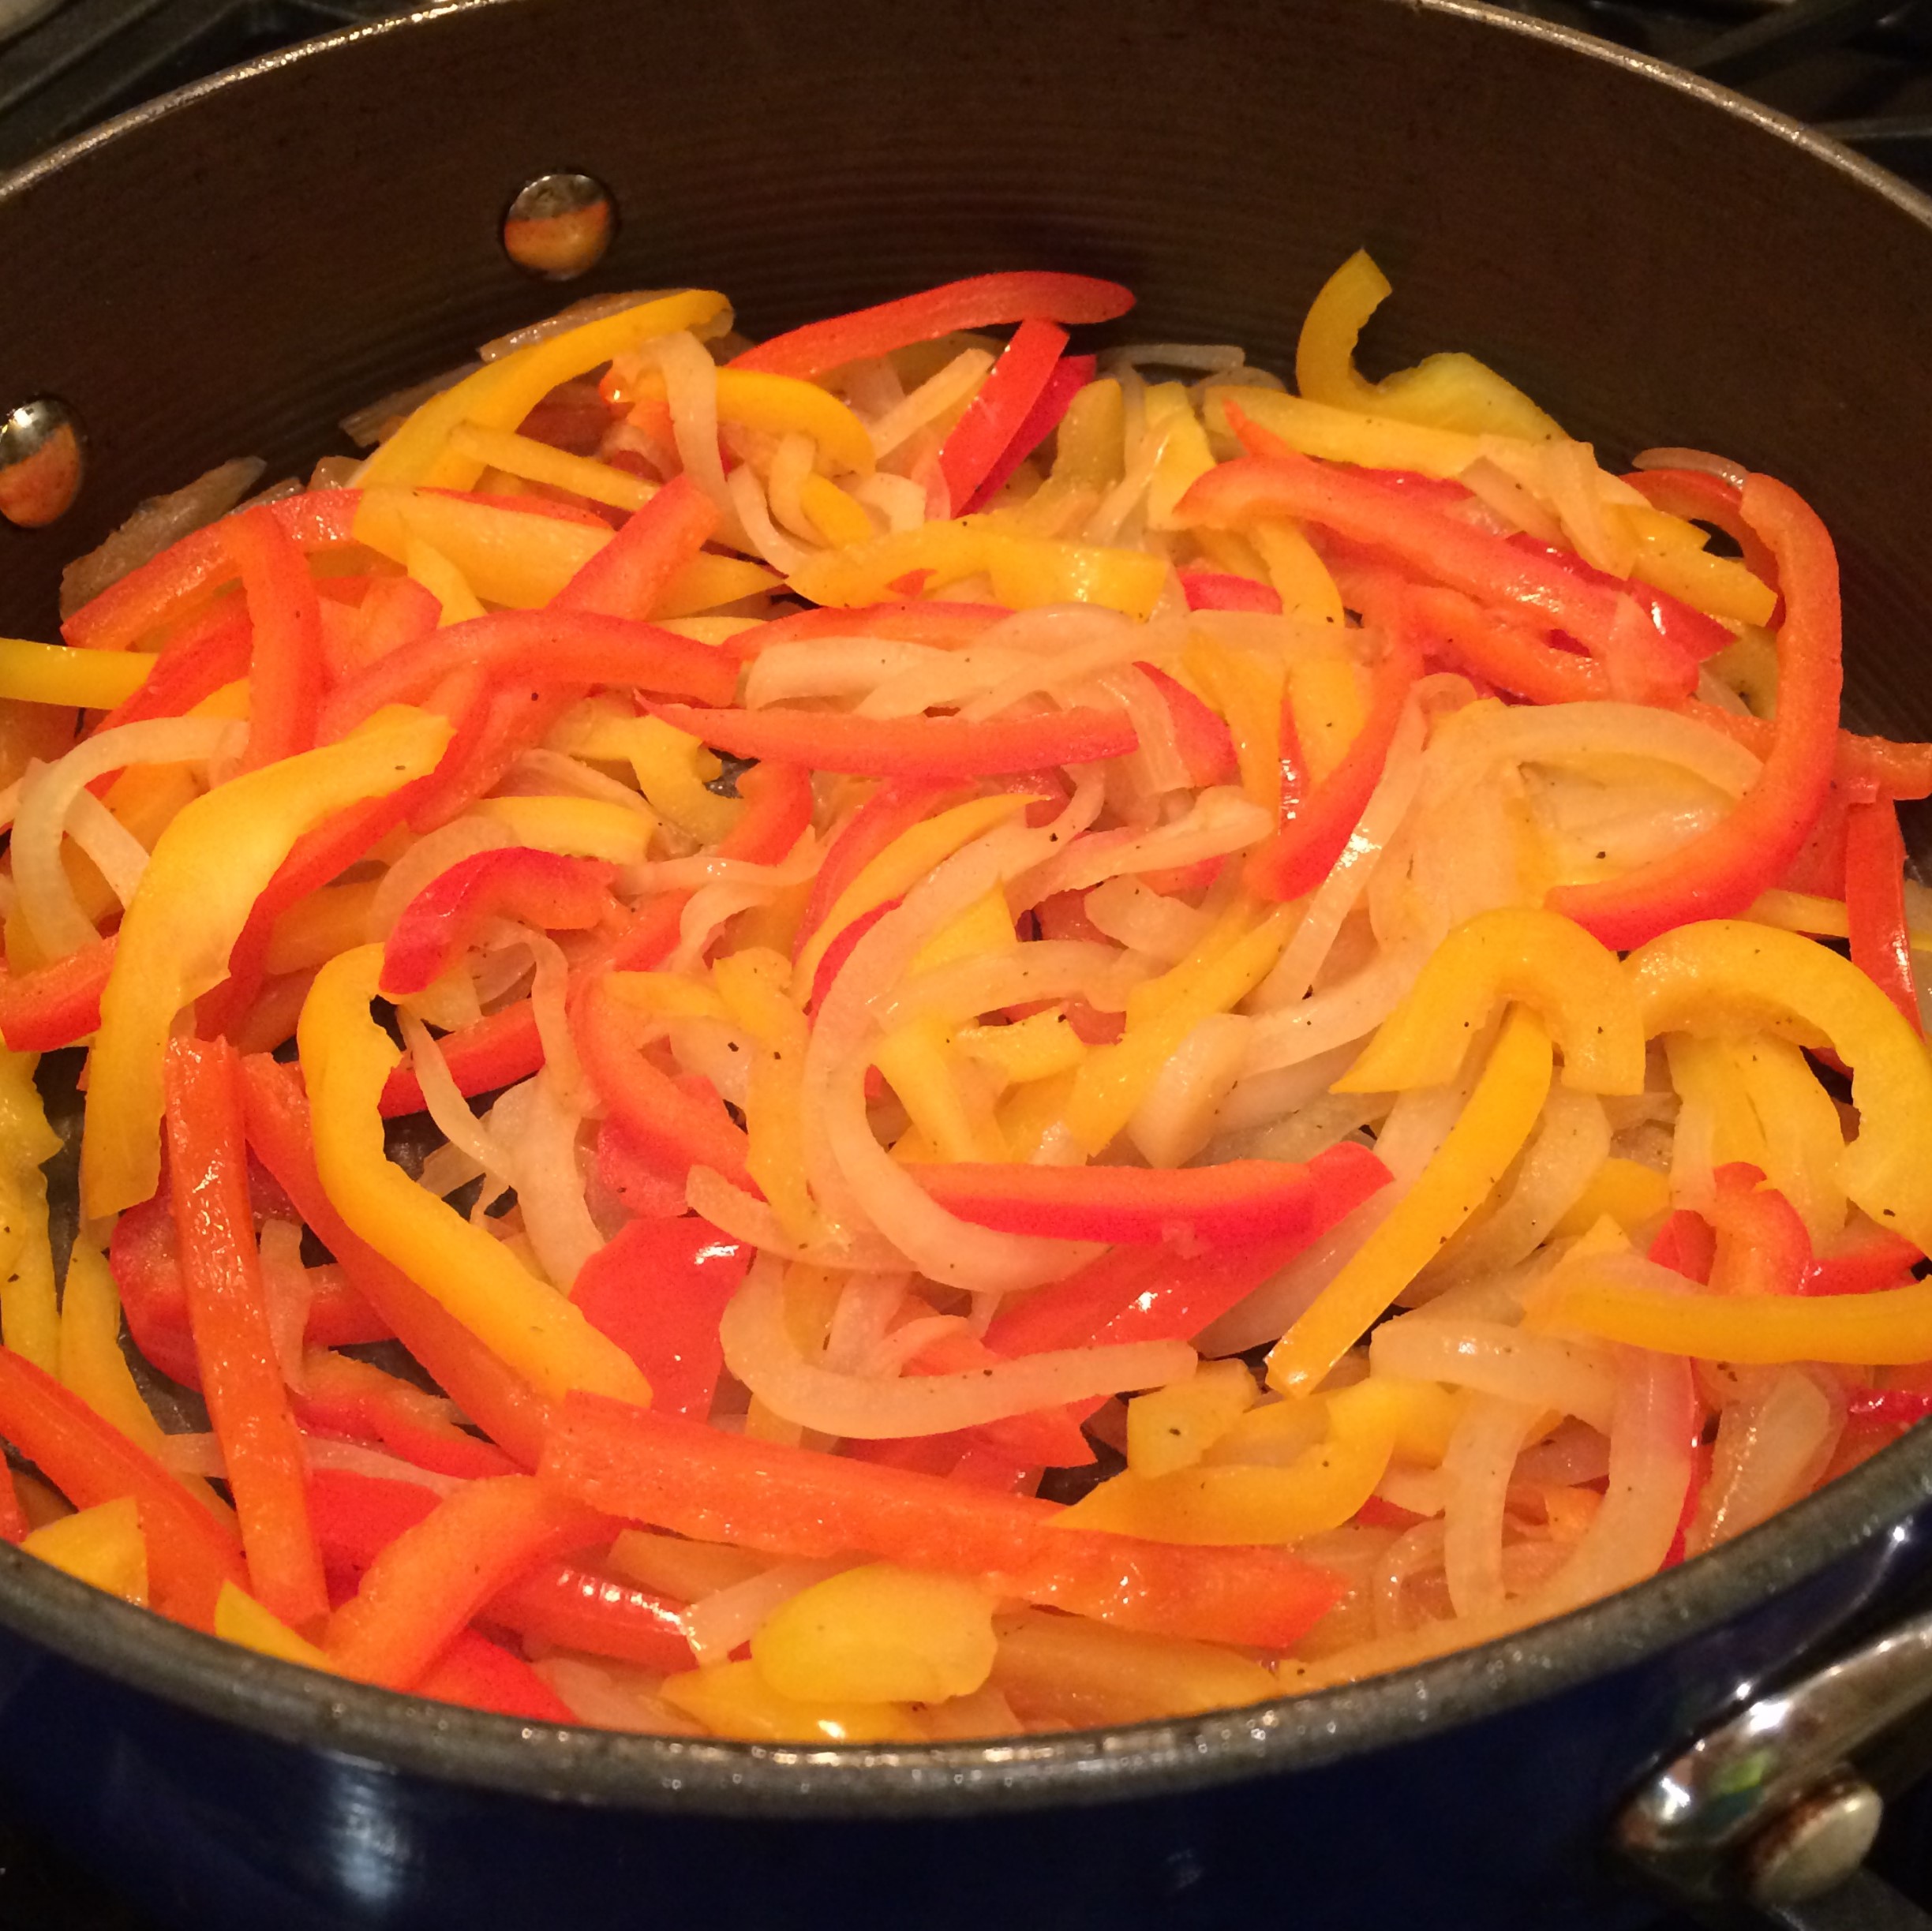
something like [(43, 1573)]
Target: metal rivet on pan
[(40, 463), (559, 225), (1818, 1843)]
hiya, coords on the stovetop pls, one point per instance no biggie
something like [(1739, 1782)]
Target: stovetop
[(1862, 69)]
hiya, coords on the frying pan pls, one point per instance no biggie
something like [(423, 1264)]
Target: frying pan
[(233, 268)]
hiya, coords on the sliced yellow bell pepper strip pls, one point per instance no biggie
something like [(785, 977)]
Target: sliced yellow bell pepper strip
[(1035, 1048), (1671, 554), (519, 558), (1803, 1138), (346, 1057), (1173, 1427), (544, 462), (1707, 1081), (672, 769), (1492, 1129), (734, 1700), (708, 583), (1820, 917), (986, 926), (239, 1618), (780, 405), (1371, 436), (1524, 953), (1088, 456), (102, 1545), (1727, 968), (1246, 689), (92, 680), (208, 868), (755, 986), (666, 995), (1326, 694), (1629, 1193), (1184, 457), (423, 564), (1233, 958), (582, 827), (500, 395), (314, 929), (896, 869), (919, 1062), (29, 1318), (836, 517)]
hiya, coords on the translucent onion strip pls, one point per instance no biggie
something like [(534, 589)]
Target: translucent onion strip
[(760, 1351), (550, 1182), (1771, 1447), (47, 899), (446, 1105), (1477, 1468), (1577, 1378), (117, 854), (933, 397)]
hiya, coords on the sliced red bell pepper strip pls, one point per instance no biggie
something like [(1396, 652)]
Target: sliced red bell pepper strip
[(543, 888), (1497, 645), (1608, 618), (667, 1126), (831, 961), (358, 1516), (659, 1290), (1700, 1453), (912, 747), (1069, 375), (1687, 1245), (940, 624), (190, 1554), (482, 1675), (1762, 1246), (396, 612), (1867, 1263), (504, 1406), (57, 1005), (1214, 589), (1201, 735), (1316, 829), (540, 649), (1867, 767), (355, 1400), (1685, 632), (627, 576), (992, 421), (1875, 904), (284, 669), (1718, 874), (228, 1316), (14, 1526), (498, 1050), (638, 1186), (777, 798), (210, 653), (980, 302), (1700, 497), (894, 808), (430, 1582), (319, 520), (1238, 1201), (1907, 1405), (701, 1481)]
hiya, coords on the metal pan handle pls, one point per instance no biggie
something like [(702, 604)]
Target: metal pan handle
[(1766, 1811)]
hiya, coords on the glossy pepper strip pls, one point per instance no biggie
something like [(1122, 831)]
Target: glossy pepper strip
[(1875, 904), (1864, 1263), (670, 1128), (1489, 1133), (1314, 830), (285, 670), (721, 1487), (1762, 1246), (57, 1005), (434, 929), (657, 1289), (1730, 966), (207, 871), (1065, 380), (346, 1056), (1513, 953), (892, 809), (189, 1554), (353, 1399), (980, 302), (1862, 766), (1438, 547), (540, 647), (429, 1583), (993, 417), (482, 1675), (628, 576), (207, 654), (929, 747), (1718, 874), (1238, 1201), (228, 1316), (498, 1400)]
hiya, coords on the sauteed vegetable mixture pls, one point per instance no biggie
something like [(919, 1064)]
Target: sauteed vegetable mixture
[(891, 1036)]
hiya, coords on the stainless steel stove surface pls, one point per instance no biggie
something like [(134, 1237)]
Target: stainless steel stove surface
[(1861, 69)]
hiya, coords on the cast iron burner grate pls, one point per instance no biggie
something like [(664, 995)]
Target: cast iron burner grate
[(1860, 69)]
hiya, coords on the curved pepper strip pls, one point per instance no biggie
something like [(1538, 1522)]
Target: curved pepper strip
[(440, 923), (1863, 1264), (1875, 904), (704, 1483), (929, 748), (57, 1005), (1201, 735), (540, 648), (892, 809), (1238, 1201), (1730, 967), (1214, 589), (1494, 644), (992, 419), (1762, 1246), (1315, 828), (285, 667), (502, 393), (1065, 380), (346, 1056), (1863, 767), (1492, 1130), (979, 301), (354, 1399), (207, 869), (1719, 873), (190, 1554), (1513, 953), (1447, 551), (628, 576), (1699, 497)]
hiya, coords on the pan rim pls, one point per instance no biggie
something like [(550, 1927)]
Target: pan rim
[(577, 1765)]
